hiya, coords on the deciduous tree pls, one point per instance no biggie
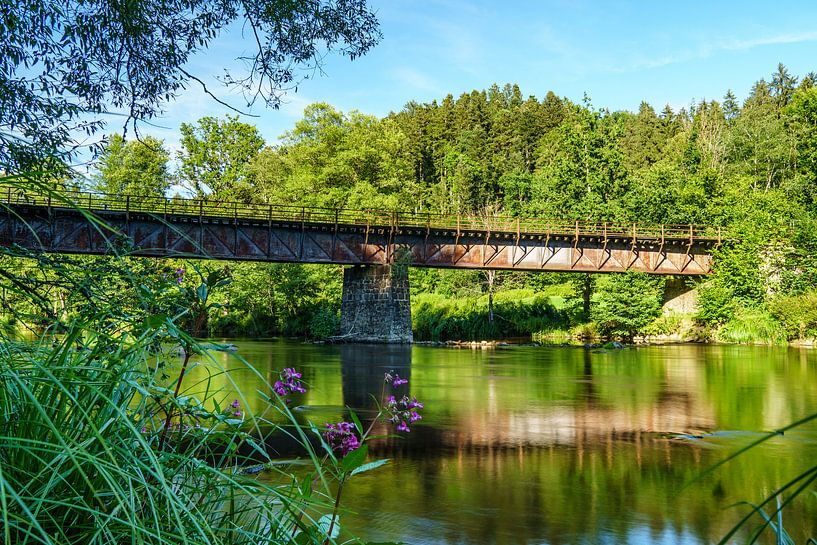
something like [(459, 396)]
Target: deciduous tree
[(135, 167), (66, 63)]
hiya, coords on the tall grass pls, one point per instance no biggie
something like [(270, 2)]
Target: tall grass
[(96, 448), (104, 441), (752, 326), (517, 313)]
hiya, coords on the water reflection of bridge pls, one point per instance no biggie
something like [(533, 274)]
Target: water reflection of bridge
[(573, 424)]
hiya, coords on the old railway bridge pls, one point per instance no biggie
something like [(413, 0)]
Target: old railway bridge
[(378, 245)]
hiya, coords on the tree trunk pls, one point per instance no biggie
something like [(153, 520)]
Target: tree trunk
[(491, 274), (586, 293)]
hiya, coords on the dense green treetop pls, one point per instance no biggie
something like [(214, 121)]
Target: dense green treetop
[(136, 168), (66, 63), (215, 156)]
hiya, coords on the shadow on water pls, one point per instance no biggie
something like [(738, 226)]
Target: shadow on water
[(362, 371), (363, 367)]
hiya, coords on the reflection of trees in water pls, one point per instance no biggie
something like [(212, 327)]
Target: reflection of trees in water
[(560, 445), (492, 495)]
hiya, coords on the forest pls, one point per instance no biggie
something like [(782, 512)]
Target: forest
[(750, 167)]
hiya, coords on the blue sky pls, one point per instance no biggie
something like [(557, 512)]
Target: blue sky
[(617, 52)]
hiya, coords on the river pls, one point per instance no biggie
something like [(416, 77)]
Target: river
[(561, 445)]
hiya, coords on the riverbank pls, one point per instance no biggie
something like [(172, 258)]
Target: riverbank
[(542, 318)]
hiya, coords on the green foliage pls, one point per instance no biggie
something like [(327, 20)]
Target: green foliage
[(627, 303), (337, 160), (665, 324), (716, 303), (752, 326), (579, 171), (324, 323), (266, 299), (803, 112), (797, 314), (64, 64), (215, 156), (137, 168), (517, 313)]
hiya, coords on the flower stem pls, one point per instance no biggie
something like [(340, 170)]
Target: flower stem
[(335, 511), (175, 396), (379, 412)]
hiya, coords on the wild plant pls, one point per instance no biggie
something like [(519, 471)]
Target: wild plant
[(106, 439)]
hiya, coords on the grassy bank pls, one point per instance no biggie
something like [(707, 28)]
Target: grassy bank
[(516, 313), (546, 318)]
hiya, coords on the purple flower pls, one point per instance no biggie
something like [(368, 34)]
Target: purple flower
[(235, 404), (279, 388), (400, 411), (179, 275), (341, 437), (238, 413), (288, 382), (296, 387)]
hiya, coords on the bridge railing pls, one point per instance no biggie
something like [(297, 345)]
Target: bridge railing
[(369, 218)]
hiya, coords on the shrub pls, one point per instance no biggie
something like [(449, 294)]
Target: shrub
[(665, 325), (716, 304), (797, 314), (752, 326), (324, 323), (626, 303)]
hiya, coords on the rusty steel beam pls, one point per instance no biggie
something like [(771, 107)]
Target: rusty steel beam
[(306, 237)]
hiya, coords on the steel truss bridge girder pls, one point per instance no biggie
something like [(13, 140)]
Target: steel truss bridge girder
[(68, 230)]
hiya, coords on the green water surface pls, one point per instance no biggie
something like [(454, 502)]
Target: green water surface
[(535, 445)]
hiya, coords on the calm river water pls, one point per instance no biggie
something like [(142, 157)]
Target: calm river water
[(535, 445)]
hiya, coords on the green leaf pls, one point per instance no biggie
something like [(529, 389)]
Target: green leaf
[(201, 292), (325, 521), (302, 538), (354, 459), (154, 321), (356, 421), (370, 466)]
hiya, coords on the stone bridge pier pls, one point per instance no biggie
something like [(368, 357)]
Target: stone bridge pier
[(376, 306)]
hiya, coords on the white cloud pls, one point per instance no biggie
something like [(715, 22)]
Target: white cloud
[(794, 38), (415, 79), (708, 49)]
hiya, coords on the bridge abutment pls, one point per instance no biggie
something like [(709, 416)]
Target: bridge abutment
[(376, 305)]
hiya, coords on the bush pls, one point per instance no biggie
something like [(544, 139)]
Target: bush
[(665, 325), (626, 303), (716, 304), (797, 314), (752, 326), (324, 323)]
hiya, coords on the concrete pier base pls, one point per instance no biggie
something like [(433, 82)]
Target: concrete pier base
[(376, 306)]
